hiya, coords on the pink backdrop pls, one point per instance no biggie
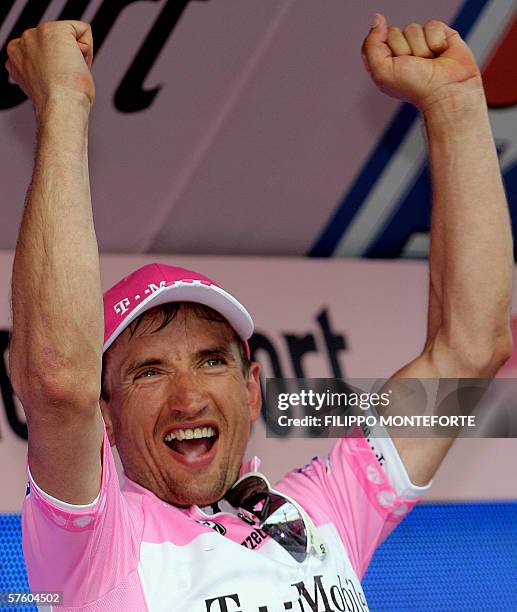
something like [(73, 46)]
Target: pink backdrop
[(265, 116)]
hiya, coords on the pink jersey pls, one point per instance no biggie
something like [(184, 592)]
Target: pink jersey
[(132, 551)]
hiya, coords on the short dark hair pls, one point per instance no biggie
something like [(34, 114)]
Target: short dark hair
[(167, 313)]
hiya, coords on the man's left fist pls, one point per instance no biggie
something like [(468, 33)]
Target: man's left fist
[(420, 64)]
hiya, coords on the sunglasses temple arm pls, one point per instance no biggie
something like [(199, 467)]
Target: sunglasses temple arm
[(316, 541)]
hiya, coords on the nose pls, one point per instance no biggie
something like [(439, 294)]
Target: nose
[(185, 397)]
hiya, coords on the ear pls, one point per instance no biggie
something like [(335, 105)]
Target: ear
[(253, 391), (106, 415)]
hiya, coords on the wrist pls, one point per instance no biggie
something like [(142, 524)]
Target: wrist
[(65, 105), (63, 124), (451, 103)]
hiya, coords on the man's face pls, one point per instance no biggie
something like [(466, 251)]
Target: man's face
[(165, 387)]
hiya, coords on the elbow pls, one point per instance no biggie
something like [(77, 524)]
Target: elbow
[(483, 359), (44, 383), (503, 352), (56, 392)]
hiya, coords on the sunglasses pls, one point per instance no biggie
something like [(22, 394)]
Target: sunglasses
[(278, 515)]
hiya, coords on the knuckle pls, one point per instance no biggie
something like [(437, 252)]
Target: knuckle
[(78, 23), (434, 23), (412, 27), (83, 25), (47, 28), (44, 27)]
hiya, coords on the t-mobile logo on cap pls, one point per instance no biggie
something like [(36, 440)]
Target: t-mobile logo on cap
[(152, 287), (124, 304)]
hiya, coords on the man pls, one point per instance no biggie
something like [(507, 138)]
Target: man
[(178, 391)]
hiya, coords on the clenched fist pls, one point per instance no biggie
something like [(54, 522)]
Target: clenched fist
[(421, 64), (52, 62)]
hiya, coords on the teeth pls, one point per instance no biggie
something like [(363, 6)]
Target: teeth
[(189, 434)]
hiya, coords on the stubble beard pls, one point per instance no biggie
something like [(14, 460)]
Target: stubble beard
[(200, 489), (196, 490), (185, 491)]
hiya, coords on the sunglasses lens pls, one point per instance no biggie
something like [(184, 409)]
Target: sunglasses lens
[(286, 526), (278, 517), (248, 493)]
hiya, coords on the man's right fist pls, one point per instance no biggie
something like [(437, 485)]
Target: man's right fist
[(52, 62)]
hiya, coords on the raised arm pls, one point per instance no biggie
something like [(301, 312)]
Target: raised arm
[(56, 347), (471, 258)]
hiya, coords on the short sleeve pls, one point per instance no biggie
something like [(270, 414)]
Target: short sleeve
[(351, 490), (83, 551)]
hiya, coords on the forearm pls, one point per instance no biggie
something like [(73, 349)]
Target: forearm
[(471, 259), (56, 294)]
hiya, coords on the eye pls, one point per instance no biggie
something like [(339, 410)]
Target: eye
[(149, 373), (213, 362)]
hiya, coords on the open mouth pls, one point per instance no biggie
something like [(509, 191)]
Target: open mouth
[(192, 444)]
